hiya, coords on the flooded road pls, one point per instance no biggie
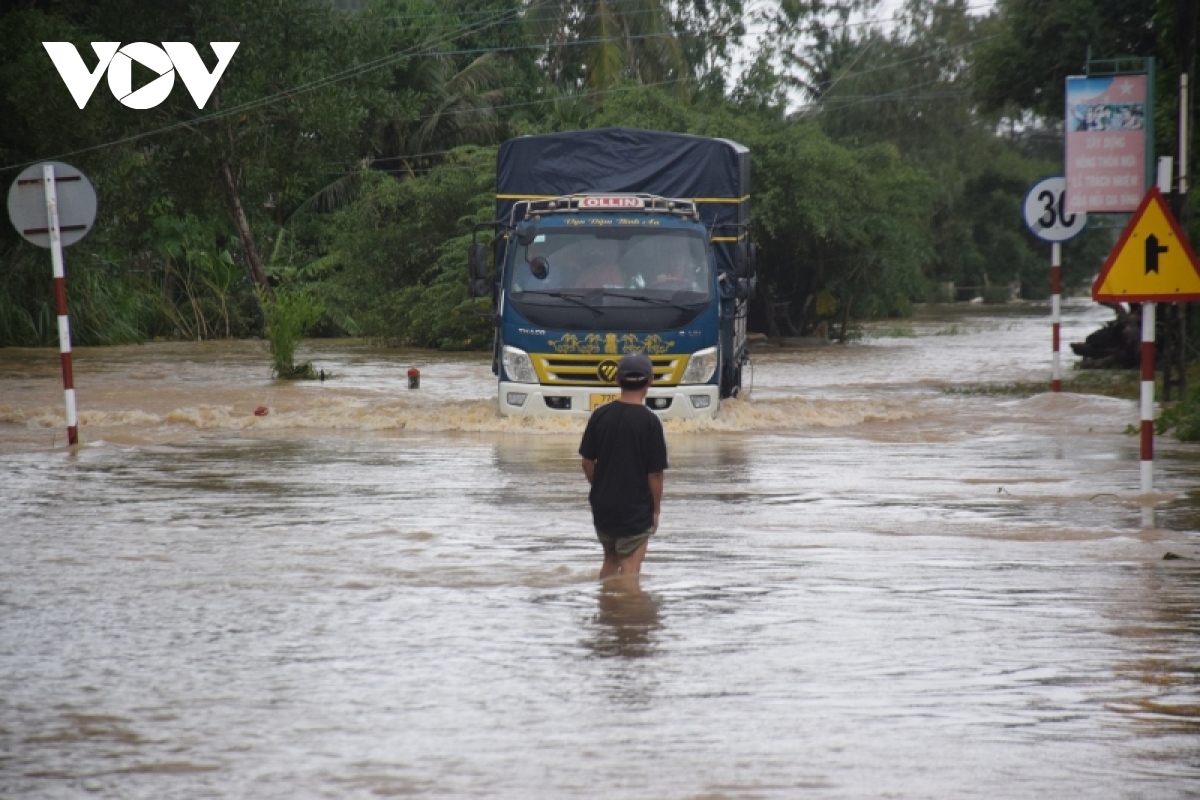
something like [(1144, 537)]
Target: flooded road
[(863, 586)]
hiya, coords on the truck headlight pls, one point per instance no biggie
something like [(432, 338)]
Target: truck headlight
[(517, 366), (701, 366)]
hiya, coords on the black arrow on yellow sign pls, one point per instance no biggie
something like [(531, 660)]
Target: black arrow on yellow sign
[(1152, 251), (1152, 262)]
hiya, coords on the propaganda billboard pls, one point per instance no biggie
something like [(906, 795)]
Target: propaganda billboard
[(1106, 122)]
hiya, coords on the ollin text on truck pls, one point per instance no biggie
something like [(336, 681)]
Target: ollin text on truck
[(614, 241)]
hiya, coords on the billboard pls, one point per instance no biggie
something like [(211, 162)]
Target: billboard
[(1106, 124)]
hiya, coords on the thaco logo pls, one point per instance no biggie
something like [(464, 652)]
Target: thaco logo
[(164, 61)]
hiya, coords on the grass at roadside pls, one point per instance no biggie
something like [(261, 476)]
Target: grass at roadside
[(1124, 383)]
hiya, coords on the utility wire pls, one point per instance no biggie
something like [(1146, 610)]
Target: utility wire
[(414, 52), (858, 99), (829, 89), (934, 54), (894, 95), (352, 72)]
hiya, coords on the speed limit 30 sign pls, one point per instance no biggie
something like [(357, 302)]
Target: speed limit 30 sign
[(1046, 212)]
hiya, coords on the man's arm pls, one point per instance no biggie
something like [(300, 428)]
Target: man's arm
[(589, 469), (656, 487)]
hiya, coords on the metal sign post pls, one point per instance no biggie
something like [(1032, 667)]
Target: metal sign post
[(53, 205), (60, 300), (1146, 407), (1047, 218), (1056, 315)]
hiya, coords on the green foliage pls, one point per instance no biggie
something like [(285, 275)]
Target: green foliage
[(1036, 44), (397, 256), (202, 285), (1183, 418), (362, 150), (105, 305), (289, 315), (626, 40)]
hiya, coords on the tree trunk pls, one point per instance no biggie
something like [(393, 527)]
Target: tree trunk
[(245, 235)]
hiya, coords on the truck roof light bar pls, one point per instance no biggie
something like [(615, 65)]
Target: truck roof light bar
[(586, 203)]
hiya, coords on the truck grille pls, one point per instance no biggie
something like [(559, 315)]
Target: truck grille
[(586, 370)]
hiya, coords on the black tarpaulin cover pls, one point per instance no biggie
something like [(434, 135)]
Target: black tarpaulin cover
[(714, 172)]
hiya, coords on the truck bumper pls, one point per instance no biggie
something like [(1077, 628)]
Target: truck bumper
[(669, 402)]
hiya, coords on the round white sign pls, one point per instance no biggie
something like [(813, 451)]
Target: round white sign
[(1046, 212), (76, 204)]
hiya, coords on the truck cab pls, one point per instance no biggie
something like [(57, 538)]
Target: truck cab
[(582, 285)]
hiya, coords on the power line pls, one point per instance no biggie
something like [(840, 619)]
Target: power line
[(581, 95), (894, 95), (352, 72), (857, 58), (414, 52), (858, 99), (860, 23), (934, 54)]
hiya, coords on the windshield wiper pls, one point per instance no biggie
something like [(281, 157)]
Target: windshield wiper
[(579, 301), (655, 300)]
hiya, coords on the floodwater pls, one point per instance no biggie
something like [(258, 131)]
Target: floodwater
[(864, 585)]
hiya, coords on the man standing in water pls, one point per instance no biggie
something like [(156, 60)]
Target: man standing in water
[(624, 456)]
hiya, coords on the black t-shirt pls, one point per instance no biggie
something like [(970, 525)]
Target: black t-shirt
[(626, 442)]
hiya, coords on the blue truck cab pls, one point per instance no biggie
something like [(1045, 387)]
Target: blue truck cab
[(609, 267)]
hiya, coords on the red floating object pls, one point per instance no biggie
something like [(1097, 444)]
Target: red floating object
[(261, 411)]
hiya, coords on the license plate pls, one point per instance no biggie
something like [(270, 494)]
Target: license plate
[(600, 399)]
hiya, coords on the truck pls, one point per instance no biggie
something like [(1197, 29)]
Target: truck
[(610, 241)]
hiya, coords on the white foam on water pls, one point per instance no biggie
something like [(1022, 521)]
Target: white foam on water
[(793, 413), (471, 416)]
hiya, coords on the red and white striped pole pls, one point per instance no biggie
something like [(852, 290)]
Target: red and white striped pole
[(1147, 403), (1056, 312), (60, 300), (1147, 356)]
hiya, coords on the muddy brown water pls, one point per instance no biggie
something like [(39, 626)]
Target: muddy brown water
[(864, 585)]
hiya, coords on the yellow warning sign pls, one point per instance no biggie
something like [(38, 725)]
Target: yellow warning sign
[(1152, 262)]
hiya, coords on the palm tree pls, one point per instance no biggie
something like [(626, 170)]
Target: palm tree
[(442, 107), (599, 43)]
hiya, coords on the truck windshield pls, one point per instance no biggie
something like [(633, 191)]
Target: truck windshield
[(663, 263)]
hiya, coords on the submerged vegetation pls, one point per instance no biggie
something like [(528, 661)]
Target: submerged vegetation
[(289, 314), (350, 146), (1181, 418)]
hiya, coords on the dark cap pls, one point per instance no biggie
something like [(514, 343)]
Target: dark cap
[(634, 367)]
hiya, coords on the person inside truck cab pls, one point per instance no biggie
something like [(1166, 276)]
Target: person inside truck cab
[(599, 268), (676, 272)]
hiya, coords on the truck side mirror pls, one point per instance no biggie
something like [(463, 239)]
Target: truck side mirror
[(478, 287), (477, 260)]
